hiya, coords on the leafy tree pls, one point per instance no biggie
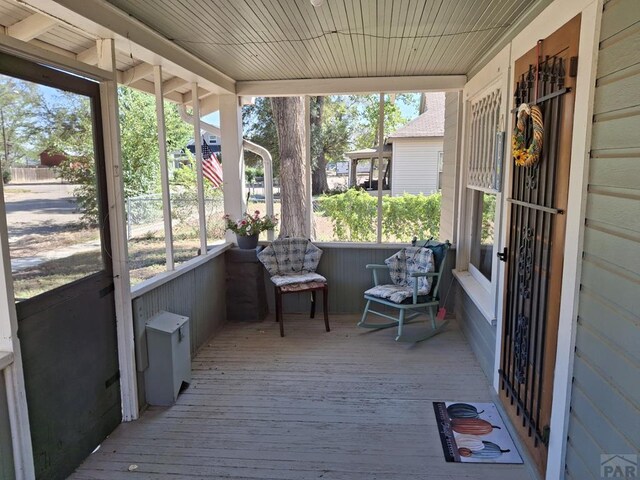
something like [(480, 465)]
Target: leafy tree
[(330, 137), (72, 135), (259, 127), (330, 134), (139, 137), (365, 109), (19, 105)]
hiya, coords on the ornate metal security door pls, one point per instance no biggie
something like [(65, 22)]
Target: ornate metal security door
[(545, 77)]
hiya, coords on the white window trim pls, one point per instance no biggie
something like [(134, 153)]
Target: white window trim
[(479, 295), (482, 292), (479, 277)]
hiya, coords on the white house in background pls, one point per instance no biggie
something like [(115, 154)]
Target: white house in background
[(417, 150), (212, 141)]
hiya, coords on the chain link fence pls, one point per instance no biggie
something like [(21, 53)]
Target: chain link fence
[(145, 214)]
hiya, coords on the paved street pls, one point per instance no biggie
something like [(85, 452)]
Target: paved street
[(39, 209)]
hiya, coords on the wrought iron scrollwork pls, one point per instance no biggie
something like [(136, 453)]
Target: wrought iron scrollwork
[(525, 262), (521, 348)]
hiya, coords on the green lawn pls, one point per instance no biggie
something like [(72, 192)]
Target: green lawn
[(146, 257)]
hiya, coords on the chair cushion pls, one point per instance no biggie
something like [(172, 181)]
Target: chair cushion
[(411, 260), (301, 287), (290, 255), (396, 294), (280, 280)]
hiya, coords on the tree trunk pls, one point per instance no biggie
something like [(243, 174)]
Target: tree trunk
[(319, 173), (423, 103), (319, 178), (288, 116)]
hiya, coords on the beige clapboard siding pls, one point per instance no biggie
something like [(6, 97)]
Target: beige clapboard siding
[(605, 402), (479, 333), (449, 167)]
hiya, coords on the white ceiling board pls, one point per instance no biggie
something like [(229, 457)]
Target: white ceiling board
[(265, 40), (290, 39), (70, 40), (101, 19), (11, 12)]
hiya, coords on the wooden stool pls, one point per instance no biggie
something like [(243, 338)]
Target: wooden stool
[(312, 287)]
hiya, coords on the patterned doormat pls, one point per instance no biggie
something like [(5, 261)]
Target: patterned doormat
[(474, 433)]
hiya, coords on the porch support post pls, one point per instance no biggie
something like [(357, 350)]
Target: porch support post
[(232, 158), (164, 167), (380, 155), (10, 352), (197, 137), (307, 163), (119, 252)]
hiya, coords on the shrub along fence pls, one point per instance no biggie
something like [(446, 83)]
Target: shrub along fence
[(354, 214)]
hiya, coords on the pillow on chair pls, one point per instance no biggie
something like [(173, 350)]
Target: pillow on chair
[(411, 260), (287, 256)]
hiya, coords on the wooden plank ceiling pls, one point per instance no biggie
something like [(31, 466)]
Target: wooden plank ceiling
[(75, 43), (290, 39)]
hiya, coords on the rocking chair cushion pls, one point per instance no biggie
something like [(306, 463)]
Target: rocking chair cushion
[(408, 261), (280, 280), (396, 293)]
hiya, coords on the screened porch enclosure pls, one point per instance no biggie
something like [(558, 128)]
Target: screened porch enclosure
[(349, 403)]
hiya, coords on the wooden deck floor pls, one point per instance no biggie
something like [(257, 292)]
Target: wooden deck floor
[(345, 405)]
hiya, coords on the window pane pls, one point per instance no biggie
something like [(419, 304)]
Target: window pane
[(141, 168), (345, 171), (51, 193), (482, 235)]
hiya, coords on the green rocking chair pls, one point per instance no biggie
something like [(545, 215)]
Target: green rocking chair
[(415, 272)]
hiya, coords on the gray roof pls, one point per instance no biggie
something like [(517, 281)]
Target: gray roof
[(429, 124)]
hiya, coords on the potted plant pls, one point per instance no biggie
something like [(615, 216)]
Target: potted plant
[(248, 228)]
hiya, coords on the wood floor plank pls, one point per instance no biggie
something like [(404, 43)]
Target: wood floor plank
[(343, 405)]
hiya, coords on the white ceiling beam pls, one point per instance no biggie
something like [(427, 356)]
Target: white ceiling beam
[(209, 104), (133, 74), (103, 20), (149, 87), (90, 56), (364, 85), (31, 27), (47, 57), (202, 93), (173, 84)]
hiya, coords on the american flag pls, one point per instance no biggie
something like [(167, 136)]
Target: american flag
[(211, 168)]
